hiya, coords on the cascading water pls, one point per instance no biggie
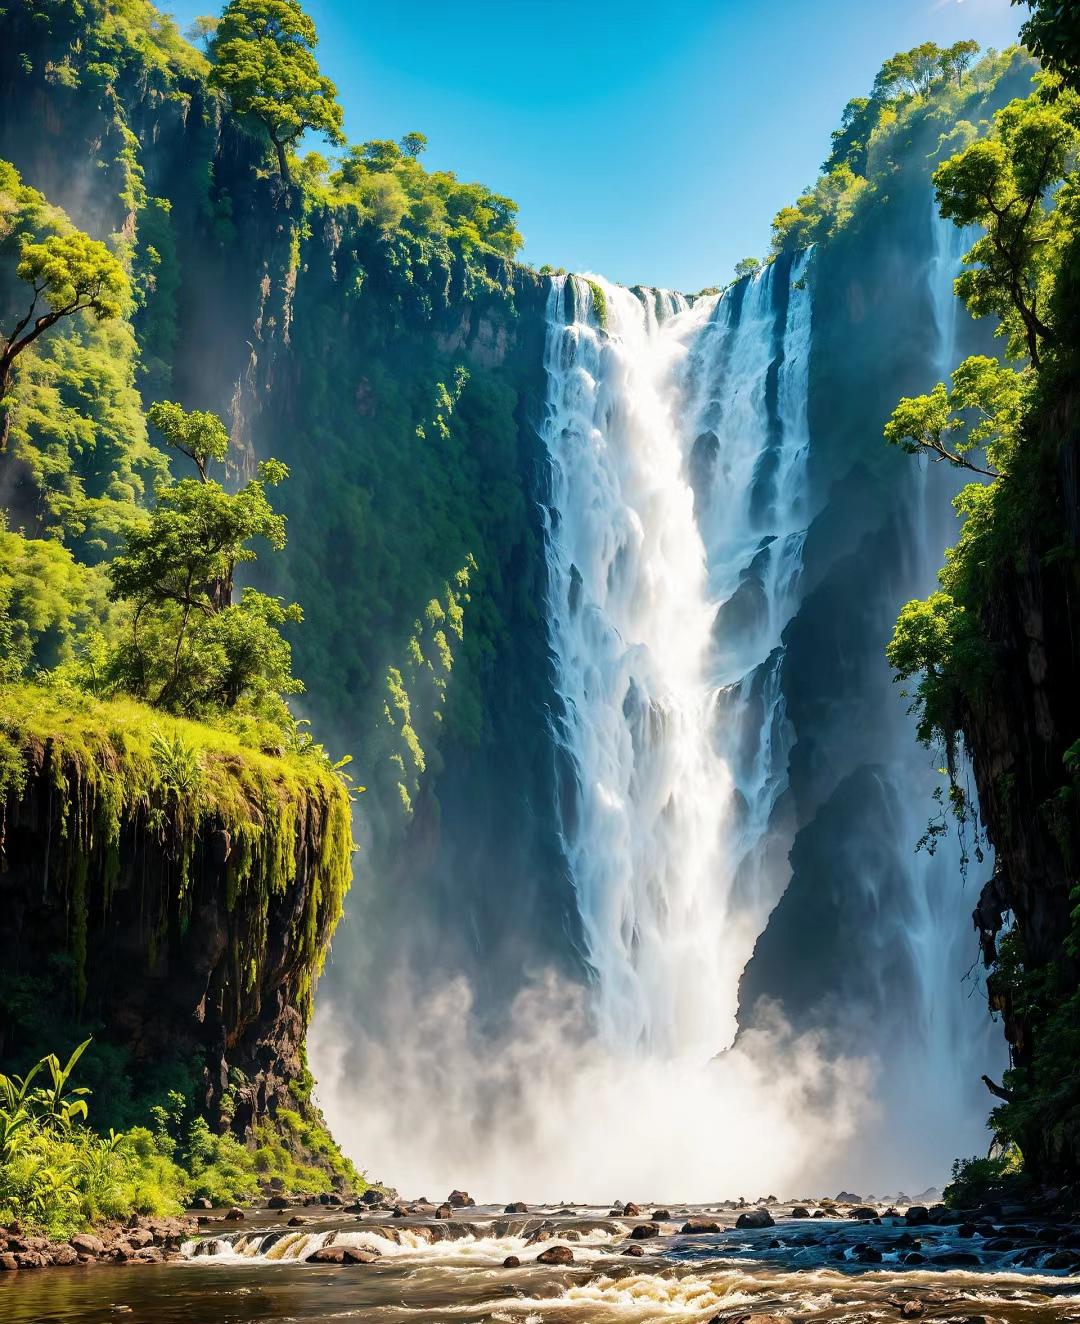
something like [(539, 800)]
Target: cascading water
[(677, 437)]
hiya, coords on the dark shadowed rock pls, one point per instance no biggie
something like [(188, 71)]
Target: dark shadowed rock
[(88, 1244), (800, 1211), (277, 1202), (755, 1218), (511, 1262), (444, 1211), (297, 1220), (644, 1231), (555, 1255), (631, 1210), (460, 1200), (661, 1213), (693, 1225), (864, 1212), (518, 1207), (917, 1214), (636, 1251), (235, 1215)]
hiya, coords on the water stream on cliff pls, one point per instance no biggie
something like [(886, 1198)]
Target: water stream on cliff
[(677, 439)]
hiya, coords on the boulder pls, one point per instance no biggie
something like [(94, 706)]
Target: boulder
[(518, 1207), (917, 1214), (631, 1210), (697, 1225), (342, 1255), (371, 1196), (297, 1220), (644, 1231), (201, 1202), (755, 1218), (460, 1200), (800, 1211), (444, 1211), (8, 1262), (864, 1212), (65, 1254), (88, 1244), (912, 1310), (277, 1202), (235, 1215), (555, 1255), (511, 1262), (659, 1214)]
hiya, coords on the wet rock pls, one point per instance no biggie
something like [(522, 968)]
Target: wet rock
[(444, 1211), (917, 1214), (912, 1310), (1000, 1244), (914, 1257), (846, 1197), (555, 1255), (88, 1244), (342, 1255), (868, 1255), (511, 1262), (659, 1214), (636, 1251), (297, 1220), (755, 1218), (371, 1196), (518, 1207), (820, 1213), (755, 1318), (200, 1203), (800, 1211), (864, 1213), (8, 1262), (64, 1255), (1061, 1259), (644, 1231), (460, 1200), (630, 1210), (235, 1215), (277, 1202), (693, 1225), (957, 1259)]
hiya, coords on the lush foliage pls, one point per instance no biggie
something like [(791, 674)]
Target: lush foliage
[(59, 1176), (926, 84)]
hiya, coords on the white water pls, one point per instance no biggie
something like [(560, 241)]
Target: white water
[(674, 719)]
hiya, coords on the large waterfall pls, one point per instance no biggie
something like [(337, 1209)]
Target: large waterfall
[(678, 439)]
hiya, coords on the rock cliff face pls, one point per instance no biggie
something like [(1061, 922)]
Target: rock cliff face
[(186, 930)]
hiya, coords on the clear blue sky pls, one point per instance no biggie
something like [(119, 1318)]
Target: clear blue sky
[(649, 141)]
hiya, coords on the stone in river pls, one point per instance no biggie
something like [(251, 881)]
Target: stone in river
[(277, 1202), (800, 1211), (460, 1200), (917, 1214), (634, 1250), (518, 1207), (234, 1215), (755, 1218), (630, 1210), (864, 1212), (444, 1211), (693, 1225), (511, 1262), (644, 1231), (661, 1213), (342, 1255), (555, 1255)]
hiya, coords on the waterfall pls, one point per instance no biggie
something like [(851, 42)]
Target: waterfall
[(677, 439)]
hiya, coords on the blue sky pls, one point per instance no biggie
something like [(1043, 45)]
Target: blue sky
[(651, 142)]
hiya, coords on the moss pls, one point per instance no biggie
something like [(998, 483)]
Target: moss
[(599, 303), (118, 763)]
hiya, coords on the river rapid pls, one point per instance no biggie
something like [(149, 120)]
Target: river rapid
[(813, 1269)]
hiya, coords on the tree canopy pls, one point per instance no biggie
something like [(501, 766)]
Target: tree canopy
[(263, 52)]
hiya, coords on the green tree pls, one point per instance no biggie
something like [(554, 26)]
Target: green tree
[(746, 266), (958, 58), (201, 31), (414, 144), (265, 63), (190, 648), (67, 274), (1053, 34), (1002, 183)]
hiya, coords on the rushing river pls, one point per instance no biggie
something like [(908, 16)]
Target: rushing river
[(815, 1269)]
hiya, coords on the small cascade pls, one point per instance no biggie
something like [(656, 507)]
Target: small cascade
[(677, 438)]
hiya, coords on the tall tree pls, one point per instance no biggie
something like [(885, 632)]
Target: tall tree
[(1053, 34), (67, 274), (265, 63)]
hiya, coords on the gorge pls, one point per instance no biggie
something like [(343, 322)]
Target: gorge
[(663, 883)]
